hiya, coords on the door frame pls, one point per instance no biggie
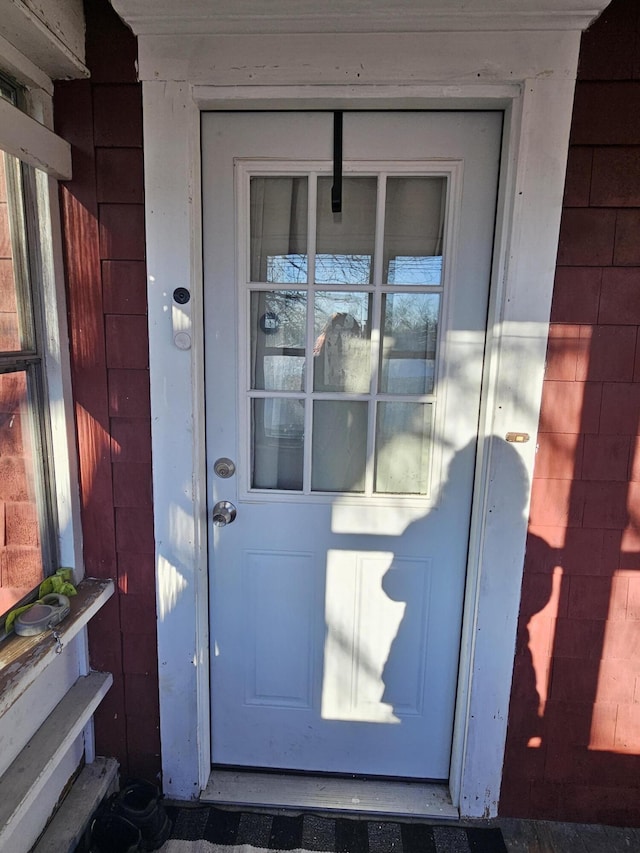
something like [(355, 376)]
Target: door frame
[(532, 80)]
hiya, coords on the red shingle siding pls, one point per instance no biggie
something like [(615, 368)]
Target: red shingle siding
[(627, 246), (587, 237), (602, 113), (125, 287), (127, 341), (117, 118), (129, 393), (119, 175), (573, 746), (122, 232), (103, 217)]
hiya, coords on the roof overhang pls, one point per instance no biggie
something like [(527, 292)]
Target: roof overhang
[(165, 17)]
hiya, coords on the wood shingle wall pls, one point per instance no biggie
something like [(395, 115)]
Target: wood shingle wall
[(573, 749), (103, 223)]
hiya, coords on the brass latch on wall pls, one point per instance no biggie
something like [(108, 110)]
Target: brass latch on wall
[(517, 437)]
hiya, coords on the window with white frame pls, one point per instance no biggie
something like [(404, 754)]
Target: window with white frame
[(28, 524)]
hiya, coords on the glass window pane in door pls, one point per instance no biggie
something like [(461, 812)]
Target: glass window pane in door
[(278, 229), (339, 450), (345, 241), (413, 230), (342, 349), (403, 448), (278, 329), (277, 443), (409, 339)]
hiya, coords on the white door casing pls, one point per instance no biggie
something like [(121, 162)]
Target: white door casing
[(531, 76), (335, 618)]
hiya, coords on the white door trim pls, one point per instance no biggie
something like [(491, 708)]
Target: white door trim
[(537, 120)]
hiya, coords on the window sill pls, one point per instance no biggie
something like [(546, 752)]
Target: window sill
[(22, 659)]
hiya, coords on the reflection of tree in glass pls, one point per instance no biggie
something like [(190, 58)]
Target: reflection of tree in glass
[(278, 339), (343, 269), (330, 269), (287, 269), (342, 350), (329, 304), (410, 330), (418, 269), (411, 319), (289, 307), (339, 324)]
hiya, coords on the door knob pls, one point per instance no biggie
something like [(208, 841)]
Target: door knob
[(224, 513)]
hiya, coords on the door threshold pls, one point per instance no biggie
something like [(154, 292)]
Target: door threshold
[(329, 794)]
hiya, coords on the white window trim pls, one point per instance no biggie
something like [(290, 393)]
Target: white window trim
[(59, 387), (36, 145), (532, 79), (33, 143)]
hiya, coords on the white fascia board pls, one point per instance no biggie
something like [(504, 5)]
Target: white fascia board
[(358, 60), (33, 143), (147, 17)]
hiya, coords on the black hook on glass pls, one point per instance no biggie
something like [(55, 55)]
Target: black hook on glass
[(336, 189)]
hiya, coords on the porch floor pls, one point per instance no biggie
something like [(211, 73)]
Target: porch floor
[(525, 836), (404, 802)]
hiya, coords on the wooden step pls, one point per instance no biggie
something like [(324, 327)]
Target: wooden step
[(94, 784), (25, 779)]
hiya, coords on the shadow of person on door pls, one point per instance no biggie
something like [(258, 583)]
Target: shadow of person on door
[(412, 641)]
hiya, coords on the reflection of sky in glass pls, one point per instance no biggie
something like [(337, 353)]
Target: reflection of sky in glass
[(415, 270), (353, 269), (287, 269), (343, 269)]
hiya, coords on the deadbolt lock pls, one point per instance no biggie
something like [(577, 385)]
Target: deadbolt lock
[(224, 468)]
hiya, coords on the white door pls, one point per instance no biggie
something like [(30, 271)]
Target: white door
[(343, 369)]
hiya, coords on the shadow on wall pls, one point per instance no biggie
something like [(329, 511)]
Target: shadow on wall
[(573, 747)]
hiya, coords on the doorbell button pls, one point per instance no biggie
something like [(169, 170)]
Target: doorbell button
[(181, 318), (181, 295)]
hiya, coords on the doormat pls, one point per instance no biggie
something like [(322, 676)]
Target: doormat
[(211, 830)]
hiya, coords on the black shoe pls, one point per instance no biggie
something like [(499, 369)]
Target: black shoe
[(139, 803), (111, 833)]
